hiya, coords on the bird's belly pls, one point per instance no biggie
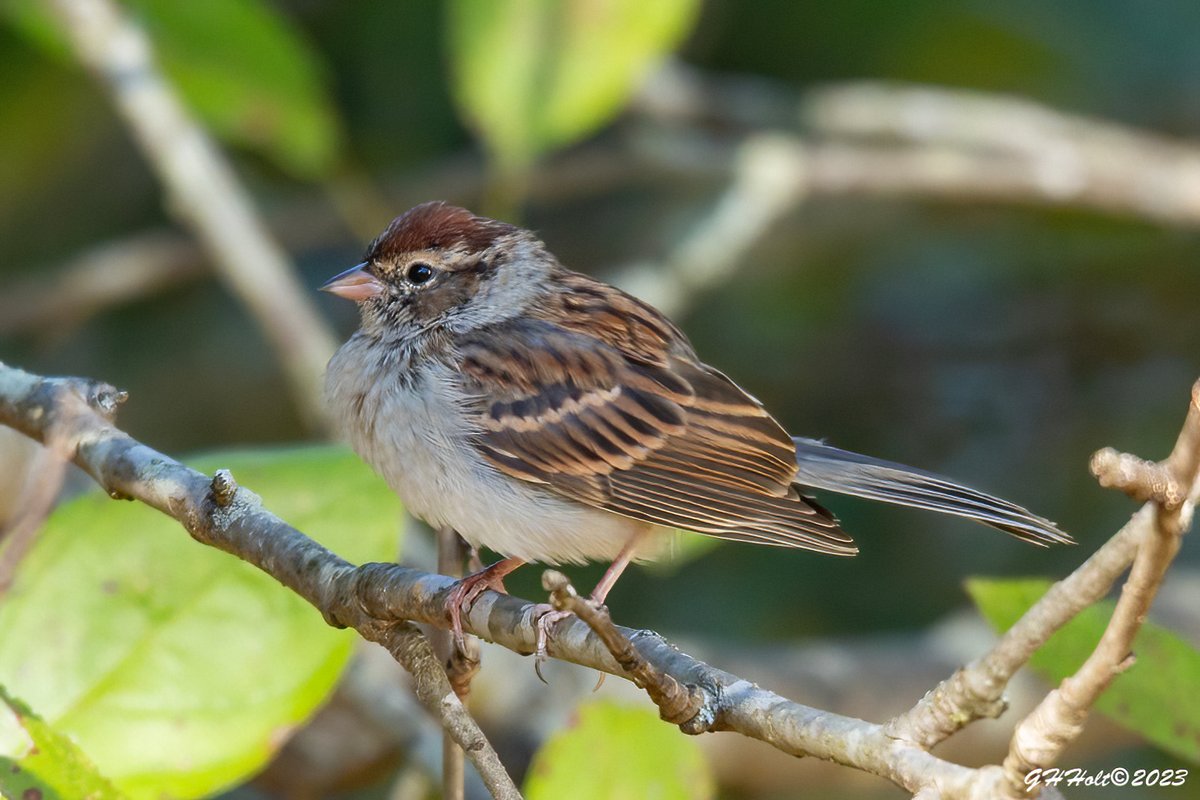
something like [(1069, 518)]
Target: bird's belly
[(444, 484), (418, 441)]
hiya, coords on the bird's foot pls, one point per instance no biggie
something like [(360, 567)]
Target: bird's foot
[(546, 617), (467, 591)]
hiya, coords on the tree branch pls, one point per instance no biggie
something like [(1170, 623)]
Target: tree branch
[(874, 137), (381, 600), (77, 415)]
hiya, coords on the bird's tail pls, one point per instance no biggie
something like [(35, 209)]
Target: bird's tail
[(828, 468)]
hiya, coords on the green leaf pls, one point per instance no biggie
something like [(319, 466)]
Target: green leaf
[(1151, 698), (531, 75), (239, 64), (250, 75), (612, 752), (179, 668), (37, 761)]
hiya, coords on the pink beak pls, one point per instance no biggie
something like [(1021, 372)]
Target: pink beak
[(354, 284)]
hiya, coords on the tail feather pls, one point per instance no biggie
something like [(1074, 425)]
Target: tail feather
[(828, 468)]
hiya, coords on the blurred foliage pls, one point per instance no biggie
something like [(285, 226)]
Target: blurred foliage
[(38, 762), (997, 344), (1155, 697), (176, 667), (613, 752), (240, 65), (532, 75)]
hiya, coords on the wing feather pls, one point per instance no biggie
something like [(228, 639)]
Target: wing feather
[(626, 420), (600, 399)]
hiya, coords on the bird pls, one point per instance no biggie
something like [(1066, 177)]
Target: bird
[(553, 418)]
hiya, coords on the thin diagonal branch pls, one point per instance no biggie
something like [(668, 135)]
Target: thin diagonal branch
[(203, 191), (677, 703), (409, 646), (1041, 737), (975, 691)]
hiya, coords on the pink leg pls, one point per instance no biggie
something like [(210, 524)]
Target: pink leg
[(467, 590), (618, 566)]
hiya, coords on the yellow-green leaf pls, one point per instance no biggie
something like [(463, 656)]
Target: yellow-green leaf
[(1158, 697), (37, 761), (178, 668), (531, 75), (614, 752)]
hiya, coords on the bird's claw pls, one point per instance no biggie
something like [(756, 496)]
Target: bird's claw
[(463, 596), (546, 616)]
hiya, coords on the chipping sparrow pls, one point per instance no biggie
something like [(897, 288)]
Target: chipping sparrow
[(550, 417)]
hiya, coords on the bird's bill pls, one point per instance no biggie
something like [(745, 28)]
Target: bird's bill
[(354, 284)]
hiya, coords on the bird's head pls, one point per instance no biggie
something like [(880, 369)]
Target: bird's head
[(441, 268)]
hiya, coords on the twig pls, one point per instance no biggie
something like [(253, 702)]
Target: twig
[(1058, 720), (460, 665), (203, 191), (45, 479), (677, 704), (770, 176), (410, 647), (976, 690)]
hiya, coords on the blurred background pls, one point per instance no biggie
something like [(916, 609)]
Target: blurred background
[(958, 235)]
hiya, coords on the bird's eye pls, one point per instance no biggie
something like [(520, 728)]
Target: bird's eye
[(418, 273)]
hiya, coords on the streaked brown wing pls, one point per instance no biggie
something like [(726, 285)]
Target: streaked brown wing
[(641, 431)]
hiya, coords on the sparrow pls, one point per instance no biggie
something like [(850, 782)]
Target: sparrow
[(551, 417)]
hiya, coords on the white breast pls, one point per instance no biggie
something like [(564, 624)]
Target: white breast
[(408, 422)]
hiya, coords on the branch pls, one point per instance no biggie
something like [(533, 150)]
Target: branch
[(1057, 157), (1042, 736), (382, 600), (878, 139), (379, 599), (203, 191), (770, 177), (677, 704), (1149, 541), (409, 646), (873, 137), (868, 139), (42, 475), (77, 416), (976, 691)]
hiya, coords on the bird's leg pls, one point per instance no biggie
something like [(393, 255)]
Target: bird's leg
[(467, 590), (552, 616)]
